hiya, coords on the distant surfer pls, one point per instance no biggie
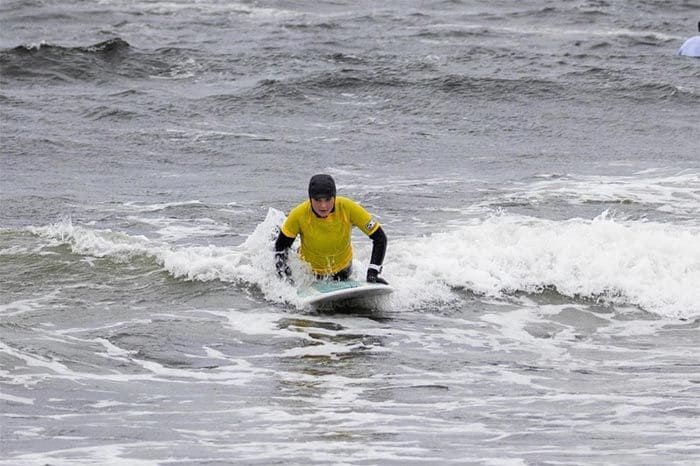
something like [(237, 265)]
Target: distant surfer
[(324, 222), (691, 47)]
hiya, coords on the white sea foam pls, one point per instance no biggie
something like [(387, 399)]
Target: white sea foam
[(25, 305), (107, 455), (236, 372), (209, 7), (652, 265), (675, 193), (16, 399), (171, 229), (136, 207)]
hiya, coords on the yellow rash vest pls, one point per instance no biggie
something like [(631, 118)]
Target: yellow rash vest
[(325, 242)]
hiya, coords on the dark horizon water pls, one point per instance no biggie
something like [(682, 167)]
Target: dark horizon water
[(534, 164)]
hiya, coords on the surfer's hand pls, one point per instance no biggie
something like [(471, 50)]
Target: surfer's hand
[(286, 274), (283, 270), (373, 277)]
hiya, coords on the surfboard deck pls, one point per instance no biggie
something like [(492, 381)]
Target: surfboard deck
[(327, 292)]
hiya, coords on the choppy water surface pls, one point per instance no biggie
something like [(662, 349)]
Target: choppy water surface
[(534, 164)]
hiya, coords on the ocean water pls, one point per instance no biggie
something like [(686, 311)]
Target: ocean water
[(535, 165)]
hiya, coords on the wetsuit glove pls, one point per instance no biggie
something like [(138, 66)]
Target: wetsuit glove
[(373, 275), (282, 267)]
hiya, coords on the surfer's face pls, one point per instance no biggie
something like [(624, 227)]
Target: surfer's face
[(323, 206)]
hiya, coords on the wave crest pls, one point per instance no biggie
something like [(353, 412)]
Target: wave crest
[(650, 265)]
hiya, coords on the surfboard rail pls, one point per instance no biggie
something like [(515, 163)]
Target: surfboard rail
[(328, 291)]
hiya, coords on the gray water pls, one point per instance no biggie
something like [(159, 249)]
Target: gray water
[(534, 164)]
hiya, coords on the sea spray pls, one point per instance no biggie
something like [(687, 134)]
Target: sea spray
[(651, 265)]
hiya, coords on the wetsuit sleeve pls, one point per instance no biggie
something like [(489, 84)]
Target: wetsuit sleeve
[(285, 239), (379, 241), (369, 226), (283, 242), (282, 246)]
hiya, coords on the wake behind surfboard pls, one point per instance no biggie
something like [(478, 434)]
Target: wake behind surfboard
[(322, 293)]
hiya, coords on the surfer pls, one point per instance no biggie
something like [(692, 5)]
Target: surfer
[(691, 47), (324, 222)]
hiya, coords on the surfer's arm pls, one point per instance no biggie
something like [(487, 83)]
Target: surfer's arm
[(379, 241), (282, 246)]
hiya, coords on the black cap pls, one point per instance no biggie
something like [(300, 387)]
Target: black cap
[(321, 186)]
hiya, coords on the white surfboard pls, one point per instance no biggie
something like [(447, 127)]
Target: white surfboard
[(327, 291)]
